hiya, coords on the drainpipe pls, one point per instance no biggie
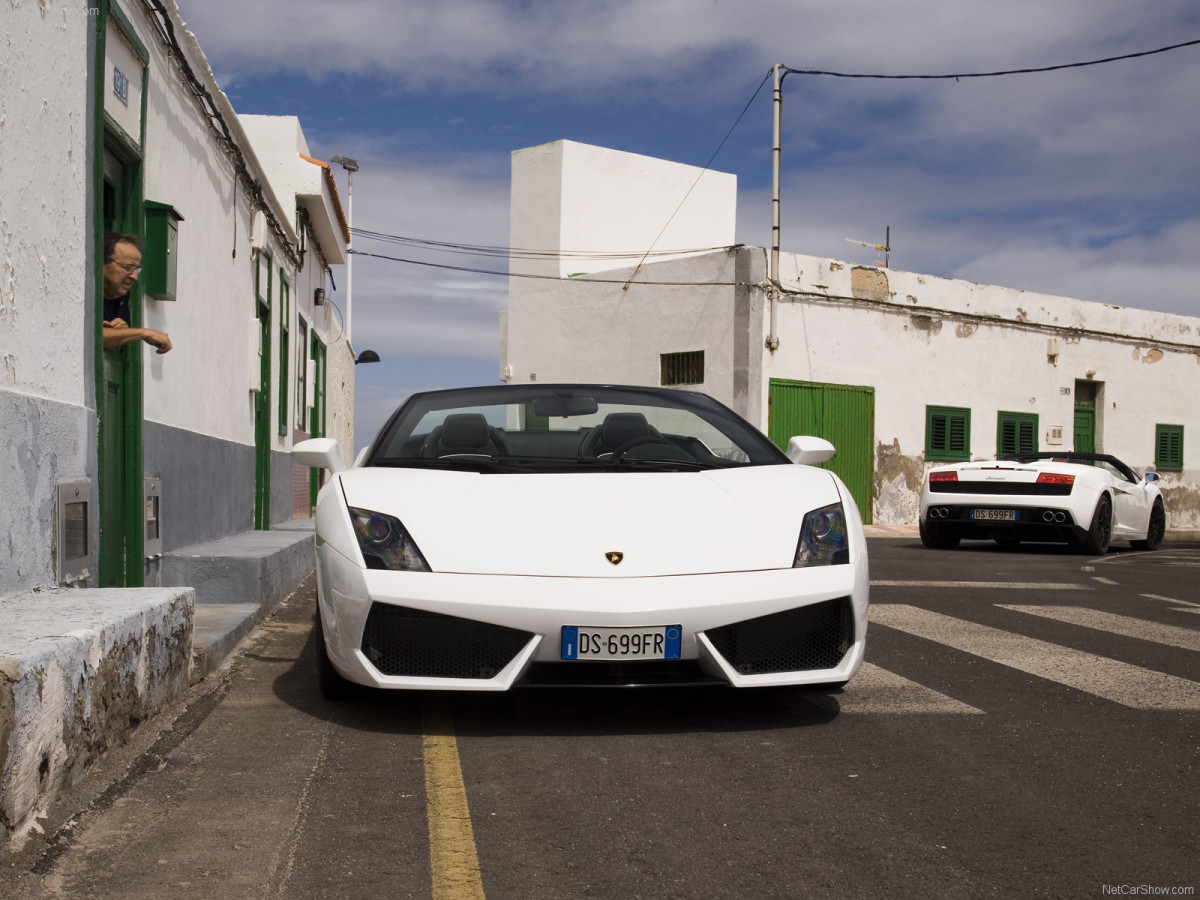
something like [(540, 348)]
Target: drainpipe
[(776, 152)]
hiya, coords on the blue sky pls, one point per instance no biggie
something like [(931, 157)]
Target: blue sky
[(1083, 182)]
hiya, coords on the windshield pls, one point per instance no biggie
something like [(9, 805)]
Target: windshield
[(569, 427)]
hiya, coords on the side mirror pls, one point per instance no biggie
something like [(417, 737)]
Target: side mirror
[(804, 450), (320, 453), (1151, 477)]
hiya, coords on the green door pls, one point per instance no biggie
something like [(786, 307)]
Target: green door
[(262, 399), (119, 406), (316, 415), (1085, 428), (842, 414)]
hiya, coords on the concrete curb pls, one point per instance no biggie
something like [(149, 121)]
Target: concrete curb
[(79, 670), (239, 580)]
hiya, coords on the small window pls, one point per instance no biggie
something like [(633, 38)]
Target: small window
[(1016, 433), (947, 433), (682, 368), (1168, 448)]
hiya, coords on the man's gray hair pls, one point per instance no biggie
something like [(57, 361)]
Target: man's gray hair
[(112, 238)]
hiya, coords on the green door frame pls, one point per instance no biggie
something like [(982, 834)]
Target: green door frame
[(262, 400), (118, 192)]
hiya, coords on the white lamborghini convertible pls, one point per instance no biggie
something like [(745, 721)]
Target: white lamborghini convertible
[(1083, 499), (538, 535)]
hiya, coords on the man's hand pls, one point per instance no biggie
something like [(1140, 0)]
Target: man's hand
[(117, 334), (157, 339)]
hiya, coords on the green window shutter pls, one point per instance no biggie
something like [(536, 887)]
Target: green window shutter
[(947, 433), (1016, 433), (1168, 448)]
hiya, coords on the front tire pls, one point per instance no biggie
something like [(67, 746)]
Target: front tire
[(1100, 532), (935, 538), (1156, 530), (330, 682)]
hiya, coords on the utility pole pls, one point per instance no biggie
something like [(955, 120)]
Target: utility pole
[(776, 153)]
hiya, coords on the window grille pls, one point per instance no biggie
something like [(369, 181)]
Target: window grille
[(682, 368)]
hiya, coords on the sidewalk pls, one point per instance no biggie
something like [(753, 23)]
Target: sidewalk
[(80, 669)]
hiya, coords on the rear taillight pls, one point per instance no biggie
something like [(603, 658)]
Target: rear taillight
[(1055, 478), (943, 476)]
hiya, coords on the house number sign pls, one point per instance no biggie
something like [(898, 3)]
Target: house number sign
[(121, 85)]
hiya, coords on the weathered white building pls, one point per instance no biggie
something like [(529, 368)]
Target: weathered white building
[(110, 120), (899, 370), (119, 125)]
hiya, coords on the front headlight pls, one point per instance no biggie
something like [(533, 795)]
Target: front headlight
[(824, 540), (384, 542)]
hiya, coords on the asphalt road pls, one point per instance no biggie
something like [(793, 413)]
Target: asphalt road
[(1027, 724)]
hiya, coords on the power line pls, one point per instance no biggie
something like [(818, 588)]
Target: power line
[(1076, 65), (589, 280), (515, 252), (671, 218)]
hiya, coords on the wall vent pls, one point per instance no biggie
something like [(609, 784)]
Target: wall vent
[(682, 368)]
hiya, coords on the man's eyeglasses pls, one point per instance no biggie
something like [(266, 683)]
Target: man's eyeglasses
[(130, 268)]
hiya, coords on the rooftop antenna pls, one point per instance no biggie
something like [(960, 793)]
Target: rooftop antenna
[(885, 248)]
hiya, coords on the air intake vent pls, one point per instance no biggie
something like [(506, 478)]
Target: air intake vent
[(419, 644), (811, 637)]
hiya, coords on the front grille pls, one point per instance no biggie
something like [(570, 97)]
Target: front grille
[(811, 637), (419, 644), (1000, 487)]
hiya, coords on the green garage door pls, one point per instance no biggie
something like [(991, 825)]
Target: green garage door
[(842, 414)]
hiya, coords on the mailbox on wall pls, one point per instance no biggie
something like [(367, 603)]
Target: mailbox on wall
[(161, 259), (152, 547), (72, 537)]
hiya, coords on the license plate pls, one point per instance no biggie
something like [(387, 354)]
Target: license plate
[(653, 642), (995, 515)]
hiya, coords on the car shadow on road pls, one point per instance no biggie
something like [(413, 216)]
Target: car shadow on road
[(556, 711)]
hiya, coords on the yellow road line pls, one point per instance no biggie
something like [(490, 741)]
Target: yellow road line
[(453, 861)]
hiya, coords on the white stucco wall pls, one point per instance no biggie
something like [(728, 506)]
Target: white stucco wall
[(44, 172), (918, 340), (47, 415), (210, 320), (563, 328), (591, 200)]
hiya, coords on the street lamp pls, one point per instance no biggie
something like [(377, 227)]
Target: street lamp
[(351, 166), (367, 356)]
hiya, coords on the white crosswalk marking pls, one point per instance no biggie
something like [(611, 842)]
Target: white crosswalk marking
[(876, 690), (1116, 681), (1170, 635)]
